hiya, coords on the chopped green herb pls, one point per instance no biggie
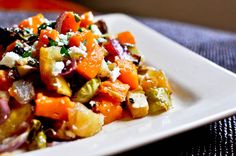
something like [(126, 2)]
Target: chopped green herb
[(80, 30), (89, 27), (52, 25), (28, 30), (26, 54), (42, 26), (84, 42), (64, 51), (52, 42), (77, 18)]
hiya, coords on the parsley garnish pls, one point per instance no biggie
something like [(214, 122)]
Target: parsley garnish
[(80, 30), (52, 25), (52, 42), (64, 51), (26, 54), (89, 27), (84, 42), (77, 18)]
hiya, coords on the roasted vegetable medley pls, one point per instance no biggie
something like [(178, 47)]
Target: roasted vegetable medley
[(63, 80)]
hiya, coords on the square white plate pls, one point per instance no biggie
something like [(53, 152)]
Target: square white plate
[(203, 92)]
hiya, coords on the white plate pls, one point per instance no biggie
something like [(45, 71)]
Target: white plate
[(203, 92)]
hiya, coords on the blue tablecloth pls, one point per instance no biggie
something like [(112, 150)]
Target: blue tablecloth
[(218, 138)]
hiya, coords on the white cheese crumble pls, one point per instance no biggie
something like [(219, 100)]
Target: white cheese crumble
[(10, 59), (139, 99), (76, 52), (57, 68), (82, 46), (115, 73), (95, 30), (92, 103), (68, 62), (63, 40), (30, 21)]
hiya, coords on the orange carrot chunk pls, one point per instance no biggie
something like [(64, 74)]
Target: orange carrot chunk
[(90, 65), (128, 73), (111, 110), (126, 38), (32, 23), (52, 107), (45, 35)]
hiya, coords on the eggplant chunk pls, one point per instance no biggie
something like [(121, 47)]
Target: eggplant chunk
[(137, 104)]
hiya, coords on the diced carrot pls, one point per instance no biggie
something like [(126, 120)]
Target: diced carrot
[(70, 22), (75, 40), (128, 73), (111, 110), (90, 65), (52, 107), (32, 23), (5, 80), (126, 37), (11, 46), (115, 90), (86, 19), (45, 35)]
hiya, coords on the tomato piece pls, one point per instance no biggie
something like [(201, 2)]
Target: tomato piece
[(32, 23), (126, 38), (87, 19), (128, 73), (90, 65), (52, 107), (68, 22)]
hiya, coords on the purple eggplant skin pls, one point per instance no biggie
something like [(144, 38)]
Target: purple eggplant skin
[(12, 143)]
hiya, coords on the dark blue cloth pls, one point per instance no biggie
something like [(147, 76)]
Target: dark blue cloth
[(218, 138)]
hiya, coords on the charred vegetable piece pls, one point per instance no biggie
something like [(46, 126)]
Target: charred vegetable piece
[(90, 65), (52, 107), (128, 73), (137, 104), (158, 99), (32, 23), (16, 122), (68, 21), (4, 106), (22, 91), (87, 91), (48, 58), (84, 122), (109, 108), (115, 90)]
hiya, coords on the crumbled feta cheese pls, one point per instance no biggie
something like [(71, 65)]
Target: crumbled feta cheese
[(92, 103), (115, 73), (49, 28), (30, 21), (63, 40), (57, 68), (68, 62), (95, 30), (101, 40), (76, 52), (139, 100), (82, 46), (10, 59)]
